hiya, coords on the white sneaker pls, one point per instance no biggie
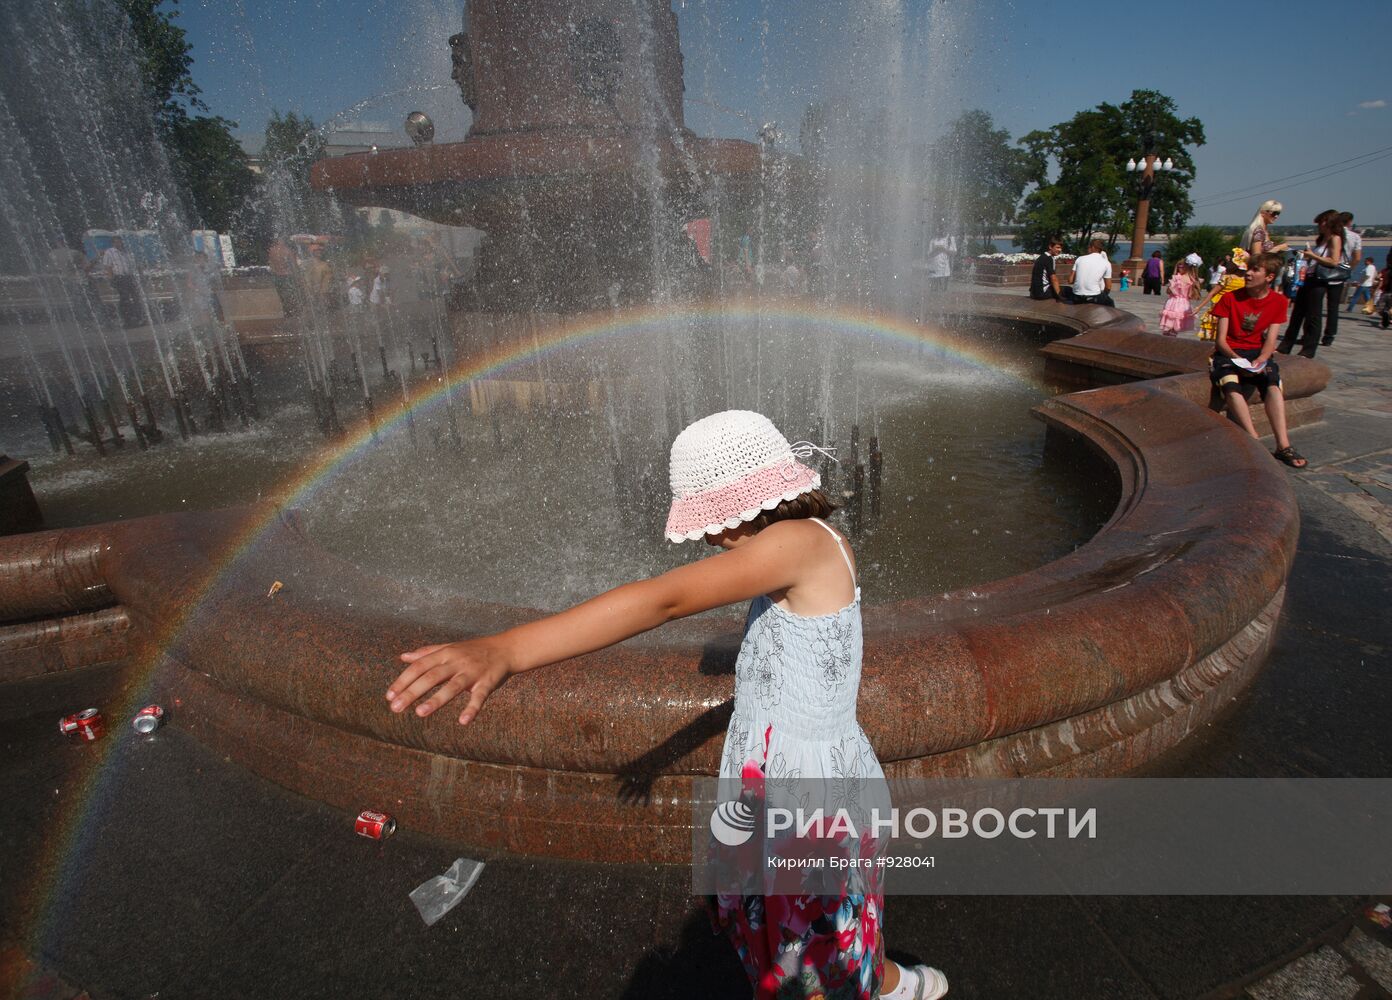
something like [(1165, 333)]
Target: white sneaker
[(927, 983), (932, 984)]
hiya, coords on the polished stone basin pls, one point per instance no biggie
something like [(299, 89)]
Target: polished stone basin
[(1091, 664)]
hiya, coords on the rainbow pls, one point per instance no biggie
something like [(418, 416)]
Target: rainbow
[(72, 832)]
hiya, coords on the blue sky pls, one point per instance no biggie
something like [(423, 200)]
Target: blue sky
[(1248, 75)]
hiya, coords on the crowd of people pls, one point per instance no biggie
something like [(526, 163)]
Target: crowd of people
[(309, 283), (1314, 279), (1260, 287)]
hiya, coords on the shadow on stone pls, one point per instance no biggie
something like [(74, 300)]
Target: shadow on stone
[(701, 965)]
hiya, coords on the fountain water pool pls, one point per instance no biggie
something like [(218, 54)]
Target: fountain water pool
[(518, 511)]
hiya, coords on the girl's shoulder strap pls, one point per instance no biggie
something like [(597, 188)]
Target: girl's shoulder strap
[(840, 547)]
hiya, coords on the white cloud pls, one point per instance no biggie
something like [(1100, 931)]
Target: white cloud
[(1379, 103)]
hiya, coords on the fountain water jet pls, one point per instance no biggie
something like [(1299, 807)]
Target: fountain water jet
[(1028, 674)]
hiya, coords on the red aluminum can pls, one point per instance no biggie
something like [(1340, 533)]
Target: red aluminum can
[(87, 724), (148, 719), (377, 826)]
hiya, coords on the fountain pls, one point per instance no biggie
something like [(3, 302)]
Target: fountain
[(446, 466), (578, 163)]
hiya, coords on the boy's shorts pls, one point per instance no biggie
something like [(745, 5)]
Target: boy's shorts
[(1223, 373)]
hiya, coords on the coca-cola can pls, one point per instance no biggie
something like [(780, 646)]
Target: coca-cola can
[(87, 724), (148, 719), (374, 825)]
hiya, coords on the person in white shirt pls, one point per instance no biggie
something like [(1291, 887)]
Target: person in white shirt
[(119, 266), (792, 279), (381, 287), (356, 295), (1364, 291), (939, 263), (1092, 277), (1353, 242), (117, 260)]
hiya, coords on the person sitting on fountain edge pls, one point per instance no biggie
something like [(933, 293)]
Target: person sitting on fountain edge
[(1248, 320), (1092, 277), (1044, 283), (737, 484)]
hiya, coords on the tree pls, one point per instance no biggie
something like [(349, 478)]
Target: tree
[(207, 162), (211, 170), (1093, 194), (164, 60), (1209, 242), (292, 146), (979, 175)]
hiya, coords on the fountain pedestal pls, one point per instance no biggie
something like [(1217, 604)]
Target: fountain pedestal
[(578, 163), (19, 511)]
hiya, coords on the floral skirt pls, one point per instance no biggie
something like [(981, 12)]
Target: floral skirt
[(806, 947)]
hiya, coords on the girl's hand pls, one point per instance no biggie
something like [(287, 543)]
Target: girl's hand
[(478, 666)]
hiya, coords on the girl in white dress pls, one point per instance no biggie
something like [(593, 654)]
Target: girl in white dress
[(737, 483)]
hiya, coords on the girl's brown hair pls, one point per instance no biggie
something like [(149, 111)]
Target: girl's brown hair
[(813, 503)]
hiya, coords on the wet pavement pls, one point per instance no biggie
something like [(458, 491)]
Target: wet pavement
[(145, 867)]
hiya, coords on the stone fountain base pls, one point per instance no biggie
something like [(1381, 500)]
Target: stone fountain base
[(19, 511), (1089, 665)]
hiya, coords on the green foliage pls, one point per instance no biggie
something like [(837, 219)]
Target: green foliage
[(1093, 194), (292, 141), (965, 184), (211, 170), (1209, 242), (207, 162), (292, 146), (1045, 215), (978, 175), (165, 57)]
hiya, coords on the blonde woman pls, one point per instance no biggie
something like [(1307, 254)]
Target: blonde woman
[(1257, 239)]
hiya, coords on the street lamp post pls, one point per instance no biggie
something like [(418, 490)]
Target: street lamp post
[(1150, 162)]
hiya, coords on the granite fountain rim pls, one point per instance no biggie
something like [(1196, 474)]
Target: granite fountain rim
[(979, 681)]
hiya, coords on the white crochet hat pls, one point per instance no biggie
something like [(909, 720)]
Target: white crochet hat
[(728, 468)]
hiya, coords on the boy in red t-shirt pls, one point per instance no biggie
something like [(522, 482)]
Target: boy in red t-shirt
[(1248, 320)]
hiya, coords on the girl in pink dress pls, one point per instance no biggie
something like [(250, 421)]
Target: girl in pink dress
[(1178, 315)]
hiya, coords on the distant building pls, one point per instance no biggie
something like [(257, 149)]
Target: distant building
[(350, 137)]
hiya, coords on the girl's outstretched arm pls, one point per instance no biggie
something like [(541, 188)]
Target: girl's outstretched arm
[(768, 561)]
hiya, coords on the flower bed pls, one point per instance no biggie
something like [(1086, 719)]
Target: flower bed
[(1011, 270)]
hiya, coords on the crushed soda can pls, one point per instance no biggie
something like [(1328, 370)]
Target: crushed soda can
[(148, 719), (374, 825), (87, 724), (1380, 914)]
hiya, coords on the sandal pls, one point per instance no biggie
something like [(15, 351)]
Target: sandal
[(1291, 457)]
